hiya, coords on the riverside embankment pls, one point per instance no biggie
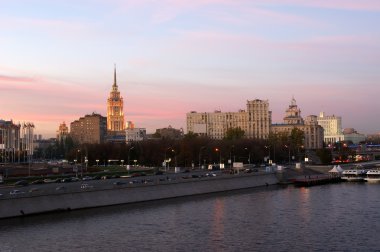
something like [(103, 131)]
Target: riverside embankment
[(104, 193)]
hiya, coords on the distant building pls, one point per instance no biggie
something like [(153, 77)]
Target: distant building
[(135, 134), (89, 129), (26, 138), (115, 114), (9, 141), (255, 122), (332, 126), (169, 132), (312, 131), (62, 132), (353, 136)]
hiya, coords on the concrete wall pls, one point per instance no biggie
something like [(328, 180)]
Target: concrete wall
[(76, 200)]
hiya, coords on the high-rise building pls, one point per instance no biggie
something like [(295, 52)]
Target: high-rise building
[(9, 141), (89, 129), (115, 114), (255, 122), (62, 132), (313, 132), (332, 126), (26, 138)]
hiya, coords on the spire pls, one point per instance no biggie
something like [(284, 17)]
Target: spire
[(114, 76)]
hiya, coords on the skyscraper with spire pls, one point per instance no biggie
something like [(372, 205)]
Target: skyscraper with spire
[(115, 114)]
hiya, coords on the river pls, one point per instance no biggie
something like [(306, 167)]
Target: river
[(333, 217)]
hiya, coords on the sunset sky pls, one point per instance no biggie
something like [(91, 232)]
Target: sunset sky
[(173, 57)]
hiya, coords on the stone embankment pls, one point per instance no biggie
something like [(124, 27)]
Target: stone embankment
[(130, 193)]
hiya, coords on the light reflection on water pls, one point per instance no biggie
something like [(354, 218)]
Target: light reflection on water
[(336, 217)]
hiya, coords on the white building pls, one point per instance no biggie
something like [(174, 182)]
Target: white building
[(332, 126), (255, 122), (135, 134)]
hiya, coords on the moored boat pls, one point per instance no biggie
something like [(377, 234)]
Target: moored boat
[(353, 175), (373, 176)]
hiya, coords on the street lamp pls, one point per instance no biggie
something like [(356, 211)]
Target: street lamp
[(268, 147), (249, 156), (129, 152), (220, 154), (165, 160), (288, 147), (97, 162), (200, 153), (86, 162)]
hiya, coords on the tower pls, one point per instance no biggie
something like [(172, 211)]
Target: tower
[(115, 114), (293, 114)]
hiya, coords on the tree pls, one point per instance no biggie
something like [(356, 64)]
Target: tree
[(234, 134)]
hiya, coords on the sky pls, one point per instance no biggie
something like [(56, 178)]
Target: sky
[(172, 57)]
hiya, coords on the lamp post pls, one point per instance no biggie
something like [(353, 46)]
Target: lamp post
[(288, 147), (200, 153), (76, 168), (268, 147), (165, 160), (249, 155), (86, 162), (220, 154), (129, 153), (97, 162)]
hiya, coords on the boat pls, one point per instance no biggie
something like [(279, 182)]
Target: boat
[(373, 176), (353, 175)]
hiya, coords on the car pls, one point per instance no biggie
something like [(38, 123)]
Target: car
[(134, 182), (211, 174), (22, 183), (158, 173), (85, 178), (32, 190), (86, 186), (66, 180), (60, 188), (38, 181), (74, 179), (119, 183), (16, 192), (1, 194)]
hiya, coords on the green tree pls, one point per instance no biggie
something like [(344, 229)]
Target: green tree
[(234, 134)]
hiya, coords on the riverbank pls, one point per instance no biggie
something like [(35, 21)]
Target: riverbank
[(129, 192)]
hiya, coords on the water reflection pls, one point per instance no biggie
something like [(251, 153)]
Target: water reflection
[(217, 230)]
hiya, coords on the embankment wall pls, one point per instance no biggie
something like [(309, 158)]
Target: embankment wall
[(126, 194)]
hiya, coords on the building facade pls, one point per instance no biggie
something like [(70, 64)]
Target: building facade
[(62, 132), (313, 132), (115, 114), (9, 141), (89, 129), (255, 121), (27, 140), (135, 134), (332, 126)]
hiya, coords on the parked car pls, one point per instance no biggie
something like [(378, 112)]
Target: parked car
[(86, 186), (16, 192), (60, 188), (66, 180), (22, 183), (32, 190), (38, 181), (85, 178), (119, 183)]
